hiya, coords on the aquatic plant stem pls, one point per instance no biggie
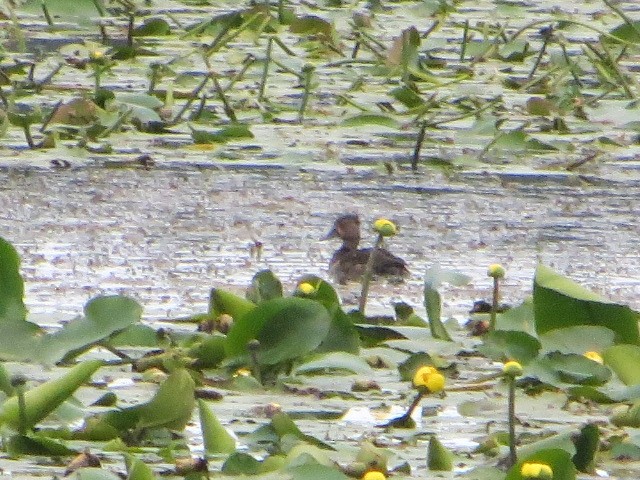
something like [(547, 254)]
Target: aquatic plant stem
[(254, 346), (465, 40), (513, 456), (265, 70), (18, 382), (494, 303), (228, 110), (543, 49), (368, 274), (416, 151), (307, 76)]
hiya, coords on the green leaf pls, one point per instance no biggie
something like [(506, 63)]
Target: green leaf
[(624, 361), (343, 335), (152, 27), (223, 135), (559, 461), (286, 328), (36, 445), (103, 316), (501, 345), (557, 369), (559, 302), (578, 339), (221, 301), (240, 463), (95, 473), (519, 318), (264, 286), (335, 361), (283, 425), (439, 457), (627, 32), (315, 471), (407, 96), (215, 437), (371, 119), (587, 444), (311, 25), (40, 401), (209, 352), (137, 469), (172, 405), (12, 306), (628, 418), (433, 278)]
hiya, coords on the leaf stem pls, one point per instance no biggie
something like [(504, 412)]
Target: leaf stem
[(368, 274)]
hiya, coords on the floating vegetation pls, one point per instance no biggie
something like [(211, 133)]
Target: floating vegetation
[(565, 343), (497, 87)]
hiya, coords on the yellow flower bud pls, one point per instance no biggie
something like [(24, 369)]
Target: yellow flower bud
[(385, 227), (512, 368), (374, 475), (595, 356), (496, 270), (306, 288), (96, 55), (534, 470)]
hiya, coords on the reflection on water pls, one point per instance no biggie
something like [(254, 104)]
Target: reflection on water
[(167, 236)]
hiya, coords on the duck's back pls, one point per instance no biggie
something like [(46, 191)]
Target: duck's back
[(350, 263)]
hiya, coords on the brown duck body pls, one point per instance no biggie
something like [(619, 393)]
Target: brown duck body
[(349, 262)]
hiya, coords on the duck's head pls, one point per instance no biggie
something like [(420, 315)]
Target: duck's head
[(347, 228)]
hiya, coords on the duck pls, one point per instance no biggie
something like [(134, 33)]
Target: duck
[(349, 262)]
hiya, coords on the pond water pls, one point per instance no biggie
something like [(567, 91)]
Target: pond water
[(166, 237)]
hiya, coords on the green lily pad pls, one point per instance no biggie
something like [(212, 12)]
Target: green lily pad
[(215, 437), (559, 302), (335, 361), (11, 284), (286, 328), (559, 461), (578, 339)]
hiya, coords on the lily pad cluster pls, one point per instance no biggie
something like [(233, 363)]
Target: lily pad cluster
[(411, 74), (564, 341)]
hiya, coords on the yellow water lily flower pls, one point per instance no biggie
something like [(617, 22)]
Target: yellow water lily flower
[(385, 227), (374, 475), (306, 288), (512, 368), (428, 377), (496, 270), (535, 470)]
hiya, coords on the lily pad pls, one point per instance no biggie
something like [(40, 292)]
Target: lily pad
[(559, 302)]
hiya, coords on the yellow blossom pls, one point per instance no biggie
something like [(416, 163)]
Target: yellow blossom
[(385, 227), (96, 55), (374, 475), (512, 368), (595, 356), (428, 377), (306, 288), (496, 270), (242, 372), (435, 383), (534, 470)]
